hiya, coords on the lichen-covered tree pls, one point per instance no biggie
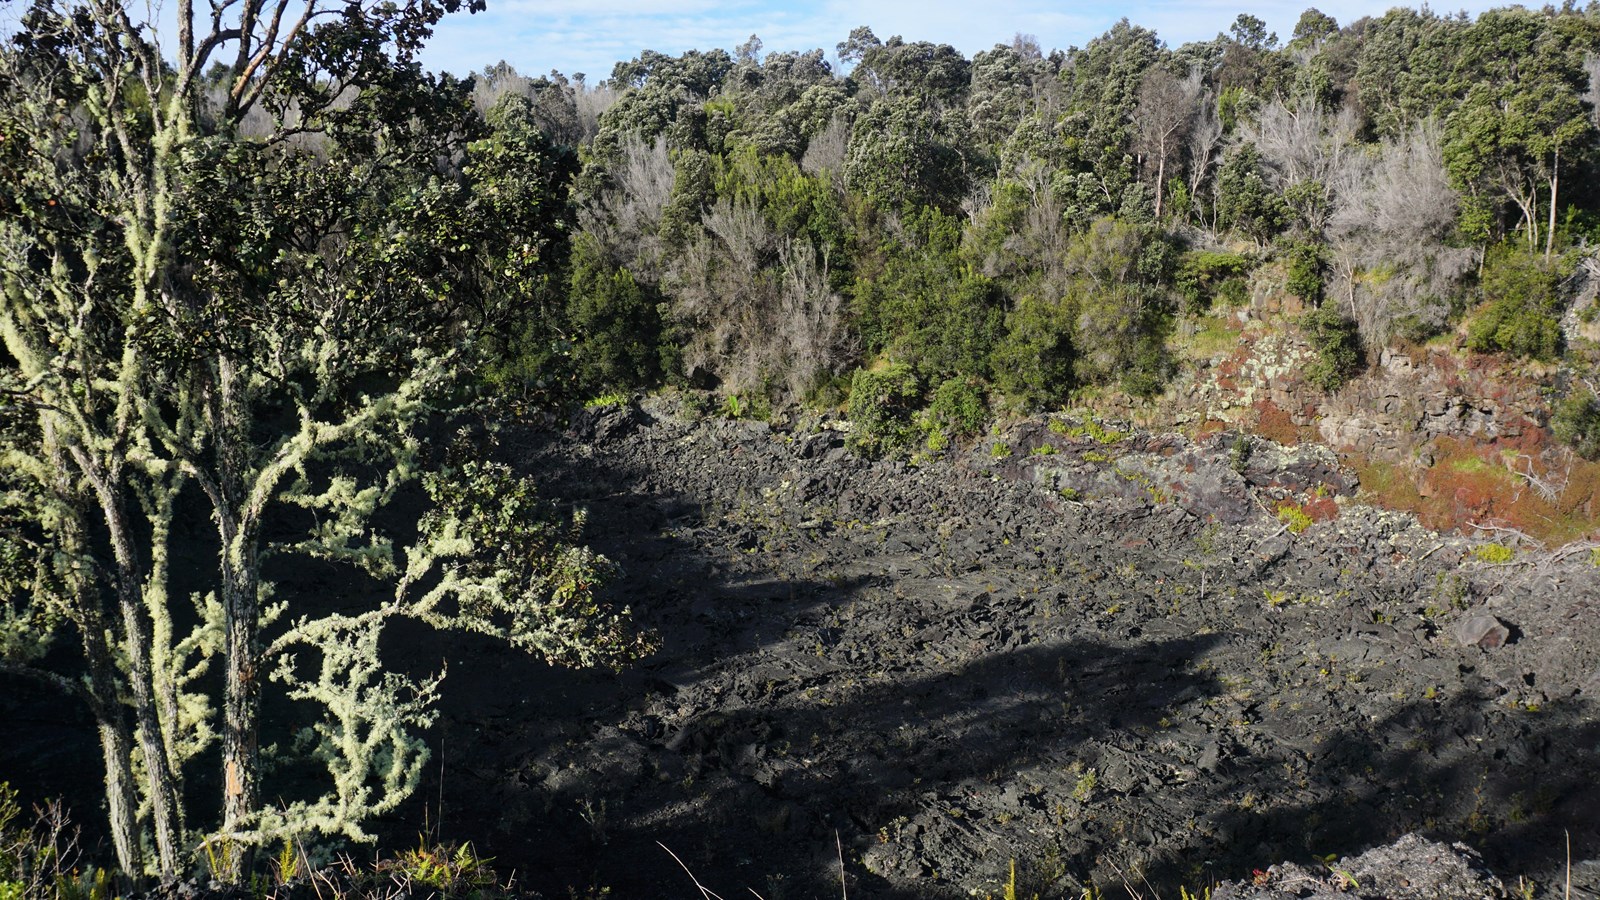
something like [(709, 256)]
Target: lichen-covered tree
[(246, 290)]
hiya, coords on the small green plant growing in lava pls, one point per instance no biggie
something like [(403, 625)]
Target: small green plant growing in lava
[(1294, 516), (1084, 787)]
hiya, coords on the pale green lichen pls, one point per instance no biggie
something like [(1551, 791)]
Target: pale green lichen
[(1493, 553)]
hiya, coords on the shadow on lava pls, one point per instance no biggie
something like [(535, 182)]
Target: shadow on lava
[(1509, 783), (746, 794)]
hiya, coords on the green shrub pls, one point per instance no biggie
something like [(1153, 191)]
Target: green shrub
[(958, 406), (1233, 292), (1149, 367), (1338, 346), (619, 334), (881, 405), (1204, 276), (1243, 448), (1091, 428), (605, 401), (448, 871), (1522, 308), (1517, 329), (1033, 362), (1306, 265), (926, 306), (1245, 202), (10, 862), (1106, 322), (1576, 422), (754, 406), (42, 858), (1121, 307)]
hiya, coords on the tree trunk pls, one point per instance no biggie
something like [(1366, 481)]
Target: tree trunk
[(1550, 233), (237, 526), (1530, 215), (1161, 171), (136, 645), (241, 707), (162, 794), (121, 801), (1524, 192), (135, 642), (97, 636), (163, 646), (116, 743)]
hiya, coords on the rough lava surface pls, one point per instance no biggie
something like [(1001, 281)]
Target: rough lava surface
[(1107, 657), (1119, 660)]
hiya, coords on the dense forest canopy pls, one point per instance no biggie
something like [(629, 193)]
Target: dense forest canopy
[(1033, 226)]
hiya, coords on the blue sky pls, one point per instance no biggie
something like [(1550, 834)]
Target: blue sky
[(589, 36)]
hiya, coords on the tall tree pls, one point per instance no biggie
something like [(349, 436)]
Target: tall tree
[(1167, 105), (1102, 85), (1523, 117), (244, 288)]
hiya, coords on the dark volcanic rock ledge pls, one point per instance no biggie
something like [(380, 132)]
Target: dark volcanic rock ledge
[(1108, 661)]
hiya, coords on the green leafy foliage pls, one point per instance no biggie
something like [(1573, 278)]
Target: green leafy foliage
[(449, 872), (1245, 202), (1510, 125), (666, 96), (1027, 289), (797, 204), (1110, 327), (882, 402), (1122, 308), (1576, 423), (1337, 343), (280, 274), (902, 157), (926, 306), (958, 406), (1494, 554), (283, 275), (1306, 268), (618, 336), (1522, 308), (42, 857), (1204, 276), (1034, 362), (516, 568), (1294, 517), (12, 862)]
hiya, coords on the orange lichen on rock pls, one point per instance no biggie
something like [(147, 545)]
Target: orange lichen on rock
[(1492, 483)]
